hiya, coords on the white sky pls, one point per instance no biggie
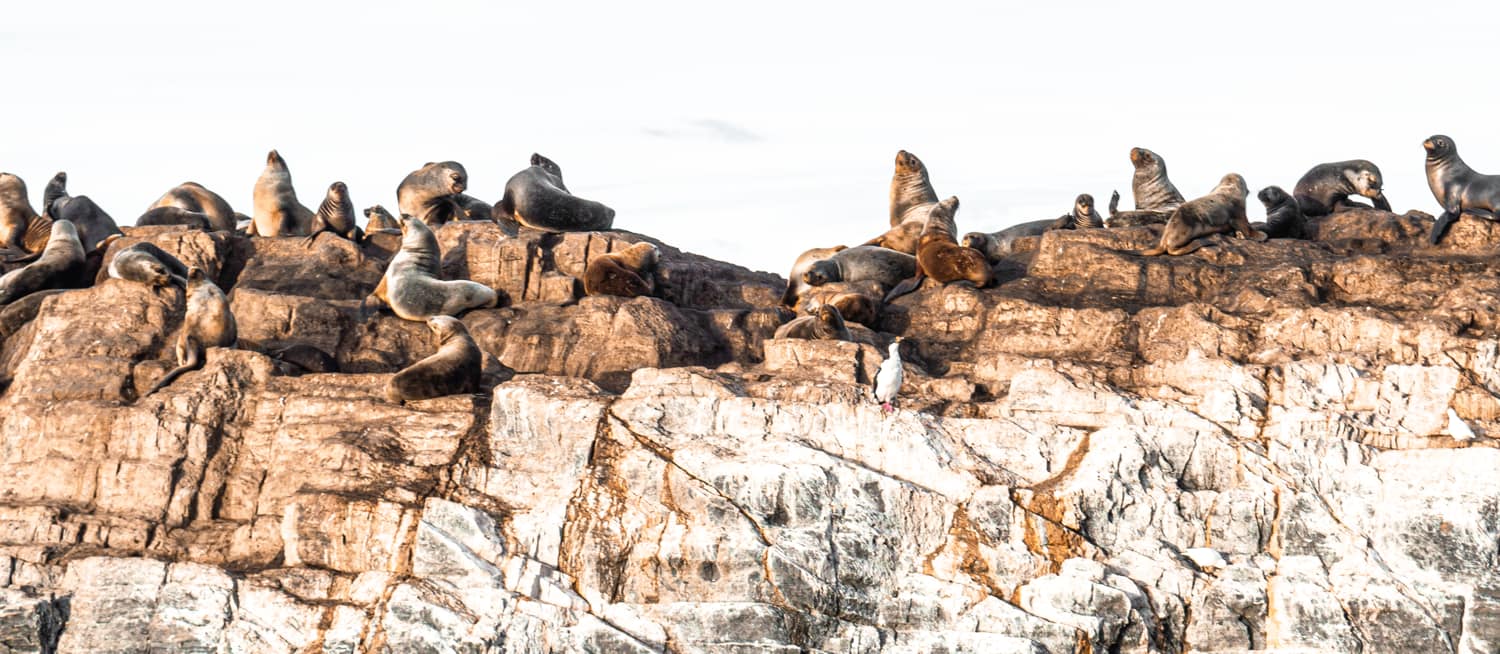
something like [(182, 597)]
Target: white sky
[(748, 132)]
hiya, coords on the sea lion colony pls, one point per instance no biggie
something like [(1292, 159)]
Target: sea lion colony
[(64, 246)]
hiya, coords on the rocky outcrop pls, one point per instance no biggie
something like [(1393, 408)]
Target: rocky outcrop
[(1260, 446)]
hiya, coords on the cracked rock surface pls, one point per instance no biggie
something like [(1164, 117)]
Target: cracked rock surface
[(661, 475)]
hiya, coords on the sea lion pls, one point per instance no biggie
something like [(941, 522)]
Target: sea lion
[(999, 244), (175, 216), (455, 368), (1221, 211), (626, 273), (91, 221), (467, 207), (1284, 217), (411, 286), (277, 211), (207, 323), (536, 197), (1082, 216), (336, 215), (21, 227), (15, 315), (795, 287), (911, 189), (300, 358), (1457, 187), (147, 264), (1119, 218), (854, 307), (427, 192), (56, 189), (940, 257), (1327, 187), (865, 262), (378, 219), (193, 197), (1155, 195), (61, 265), (827, 324)]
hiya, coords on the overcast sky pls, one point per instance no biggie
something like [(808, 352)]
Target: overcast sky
[(749, 131)]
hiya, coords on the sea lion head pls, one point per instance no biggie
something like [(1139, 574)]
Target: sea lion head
[(157, 274), (451, 176), (12, 187), (60, 179), (644, 256), (273, 158), (1084, 204), (196, 276), (1233, 182), (1439, 146), (907, 162), (1273, 196), (821, 272), (1365, 179), (445, 327), (63, 230), (829, 316), (339, 191), (546, 164), (1142, 157), (977, 240)]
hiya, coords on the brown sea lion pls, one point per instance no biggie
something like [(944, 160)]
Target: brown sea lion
[(21, 227), (1284, 217), (207, 323), (911, 189), (826, 325), (1326, 187), (455, 368), (866, 262), (193, 197), (378, 219), (854, 307), (940, 257), (536, 197), (1221, 211), (1155, 195), (147, 264), (277, 211), (427, 192), (175, 216), (795, 287), (630, 272), (336, 215), (412, 287), (1082, 216), (1457, 187), (62, 265)]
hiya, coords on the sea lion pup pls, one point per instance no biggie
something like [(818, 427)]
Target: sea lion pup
[(412, 287), (1457, 187), (628, 273), (175, 216), (377, 219), (537, 198), (455, 367), (866, 262), (147, 264), (21, 228), (911, 189), (940, 257), (1082, 216), (1284, 217), (277, 211), (854, 307), (1155, 196), (336, 215), (61, 266), (795, 287), (193, 197), (1327, 187), (827, 324), (207, 323), (427, 192), (1221, 211)]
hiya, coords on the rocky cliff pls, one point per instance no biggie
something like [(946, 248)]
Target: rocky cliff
[(1260, 446)]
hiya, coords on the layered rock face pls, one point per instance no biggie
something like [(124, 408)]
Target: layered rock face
[(1260, 446)]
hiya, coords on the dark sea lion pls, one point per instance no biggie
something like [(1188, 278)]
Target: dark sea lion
[(1119, 218), (175, 216), (1221, 211), (1457, 187), (427, 192), (91, 221), (193, 197), (795, 287), (57, 188), (1284, 217), (455, 368), (207, 323), (854, 307), (147, 264), (996, 245), (62, 265), (866, 262), (626, 273), (16, 314), (21, 227), (826, 325), (466, 207), (1082, 216), (378, 219), (536, 197), (411, 286), (277, 211), (911, 189), (1327, 187), (336, 215), (940, 257), (300, 358)]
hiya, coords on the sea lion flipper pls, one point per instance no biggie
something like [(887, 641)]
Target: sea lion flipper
[(1114, 204), (1381, 203), (1440, 227), (906, 286)]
